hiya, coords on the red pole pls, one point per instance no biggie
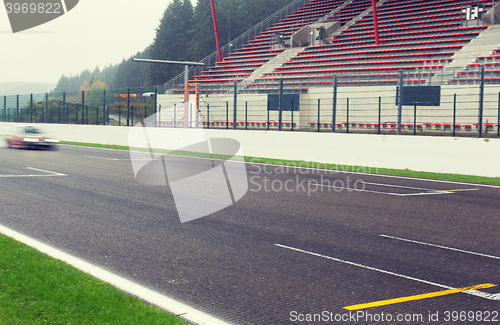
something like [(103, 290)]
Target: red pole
[(375, 23), (216, 31)]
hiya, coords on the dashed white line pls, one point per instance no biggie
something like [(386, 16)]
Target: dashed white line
[(407, 194), (471, 292), (430, 191), (188, 313), (121, 159), (49, 174), (399, 186), (439, 246), (106, 158), (47, 171)]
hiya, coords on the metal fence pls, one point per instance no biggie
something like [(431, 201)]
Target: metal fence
[(99, 107), (461, 110), (357, 110)]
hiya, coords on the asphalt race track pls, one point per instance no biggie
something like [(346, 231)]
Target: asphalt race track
[(289, 249)]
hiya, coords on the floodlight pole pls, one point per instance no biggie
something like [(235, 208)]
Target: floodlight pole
[(216, 32), (375, 22), (186, 65)]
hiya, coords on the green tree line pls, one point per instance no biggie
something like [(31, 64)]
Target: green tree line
[(183, 33)]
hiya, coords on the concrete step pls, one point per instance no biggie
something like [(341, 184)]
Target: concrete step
[(272, 64), (482, 45)]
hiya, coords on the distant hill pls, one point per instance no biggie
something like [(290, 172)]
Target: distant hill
[(23, 88)]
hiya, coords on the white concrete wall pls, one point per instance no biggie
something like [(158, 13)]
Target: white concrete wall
[(470, 156)]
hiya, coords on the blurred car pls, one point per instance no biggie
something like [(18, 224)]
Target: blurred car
[(29, 137)]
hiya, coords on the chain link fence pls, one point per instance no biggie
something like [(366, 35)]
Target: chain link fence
[(92, 107), (436, 109), (451, 110)]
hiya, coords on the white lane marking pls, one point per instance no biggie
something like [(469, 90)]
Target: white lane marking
[(390, 185), (439, 246), (90, 147), (407, 194), (379, 192), (114, 159), (50, 174), (105, 158), (433, 181), (433, 192), (471, 292), (327, 170), (123, 159), (399, 186), (188, 313), (47, 171), (427, 193)]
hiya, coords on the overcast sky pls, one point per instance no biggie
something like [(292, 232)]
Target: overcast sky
[(94, 33)]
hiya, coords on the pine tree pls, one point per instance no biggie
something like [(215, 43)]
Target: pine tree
[(132, 74), (183, 34), (170, 42), (62, 85), (202, 38), (229, 19), (108, 74)]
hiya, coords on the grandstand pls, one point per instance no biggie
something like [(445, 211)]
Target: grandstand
[(332, 42), (420, 37)]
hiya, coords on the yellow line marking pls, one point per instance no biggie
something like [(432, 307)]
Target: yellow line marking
[(460, 190), (418, 297)]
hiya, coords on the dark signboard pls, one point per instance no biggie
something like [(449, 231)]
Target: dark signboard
[(424, 95), (288, 101)]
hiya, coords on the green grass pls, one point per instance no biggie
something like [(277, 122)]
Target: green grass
[(37, 289), (383, 171), (96, 145)]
